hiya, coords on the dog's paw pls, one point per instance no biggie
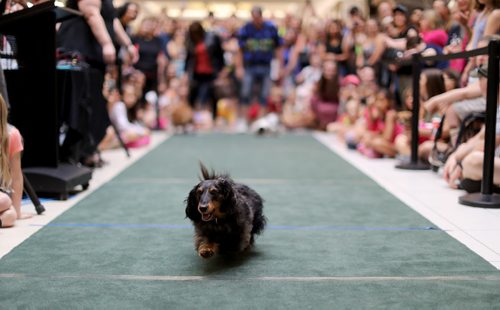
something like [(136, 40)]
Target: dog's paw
[(206, 252)]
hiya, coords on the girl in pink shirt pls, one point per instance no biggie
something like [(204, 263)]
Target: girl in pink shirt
[(381, 128), (11, 176)]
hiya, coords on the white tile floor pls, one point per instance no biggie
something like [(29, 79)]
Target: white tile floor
[(423, 191)]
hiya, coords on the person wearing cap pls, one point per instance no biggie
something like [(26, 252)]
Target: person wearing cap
[(464, 167), (401, 28), (401, 17), (259, 43)]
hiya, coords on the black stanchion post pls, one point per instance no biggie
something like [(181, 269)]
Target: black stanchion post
[(414, 163), (486, 198), (28, 189)]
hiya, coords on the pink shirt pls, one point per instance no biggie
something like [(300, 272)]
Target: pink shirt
[(15, 141)]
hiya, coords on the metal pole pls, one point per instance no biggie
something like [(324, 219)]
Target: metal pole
[(28, 189), (414, 163), (491, 111)]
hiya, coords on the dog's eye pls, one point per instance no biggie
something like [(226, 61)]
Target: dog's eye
[(199, 190), (212, 191)]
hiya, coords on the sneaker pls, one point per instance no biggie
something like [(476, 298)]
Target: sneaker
[(368, 152)]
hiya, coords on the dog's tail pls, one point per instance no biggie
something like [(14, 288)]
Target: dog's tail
[(205, 174)]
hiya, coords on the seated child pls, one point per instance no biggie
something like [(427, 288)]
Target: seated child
[(297, 111), (181, 113), (346, 120), (11, 182), (381, 128), (325, 97), (133, 134)]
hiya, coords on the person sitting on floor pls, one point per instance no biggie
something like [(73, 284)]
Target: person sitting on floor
[(464, 167), (325, 98), (133, 134), (11, 176), (381, 128)]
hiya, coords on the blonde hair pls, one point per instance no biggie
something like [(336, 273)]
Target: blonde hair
[(5, 176), (434, 19)]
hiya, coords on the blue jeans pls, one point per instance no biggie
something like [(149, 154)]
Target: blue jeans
[(253, 74)]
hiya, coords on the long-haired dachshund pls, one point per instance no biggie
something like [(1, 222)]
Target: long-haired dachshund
[(226, 215)]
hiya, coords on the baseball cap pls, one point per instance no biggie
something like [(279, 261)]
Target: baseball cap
[(400, 8), (351, 79)]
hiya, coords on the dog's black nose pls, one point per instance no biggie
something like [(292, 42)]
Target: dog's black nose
[(203, 208)]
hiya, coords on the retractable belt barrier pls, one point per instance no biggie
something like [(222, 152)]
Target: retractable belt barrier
[(486, 198)]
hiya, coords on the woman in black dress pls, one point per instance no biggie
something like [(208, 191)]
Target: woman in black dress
[(93, 36)]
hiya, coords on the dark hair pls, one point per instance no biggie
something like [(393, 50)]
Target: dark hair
[(413, 41), (121, 10), (478, 6), (328, 89), (387, 94), (454, 75), (354, 11), (196, 33), (435, 82), (339, 35)]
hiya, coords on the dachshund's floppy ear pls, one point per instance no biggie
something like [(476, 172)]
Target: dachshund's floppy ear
[(192, 205), (226, 189)]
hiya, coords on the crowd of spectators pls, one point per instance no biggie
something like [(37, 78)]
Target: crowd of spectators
[(347, 76)]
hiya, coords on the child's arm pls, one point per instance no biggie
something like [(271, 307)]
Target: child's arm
[(17, 183), (390, 123)]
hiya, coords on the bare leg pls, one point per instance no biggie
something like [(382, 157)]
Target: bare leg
[(424, 150), (383, 146), (452, 124), (8, 214), (402, 145), (473, 167)]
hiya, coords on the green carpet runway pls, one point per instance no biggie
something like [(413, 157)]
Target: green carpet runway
[(335, 240)]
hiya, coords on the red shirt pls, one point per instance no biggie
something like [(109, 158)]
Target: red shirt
[(203, 65)]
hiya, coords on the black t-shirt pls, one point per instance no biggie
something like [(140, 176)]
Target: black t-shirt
[(75, 33), (148, 53)]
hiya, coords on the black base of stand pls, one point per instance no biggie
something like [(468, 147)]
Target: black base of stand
[(28, 189), (481, 200), (413, 166), (59, 181)]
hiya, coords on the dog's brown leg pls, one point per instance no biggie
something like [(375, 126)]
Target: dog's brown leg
[(204, 247), (207, 250)]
